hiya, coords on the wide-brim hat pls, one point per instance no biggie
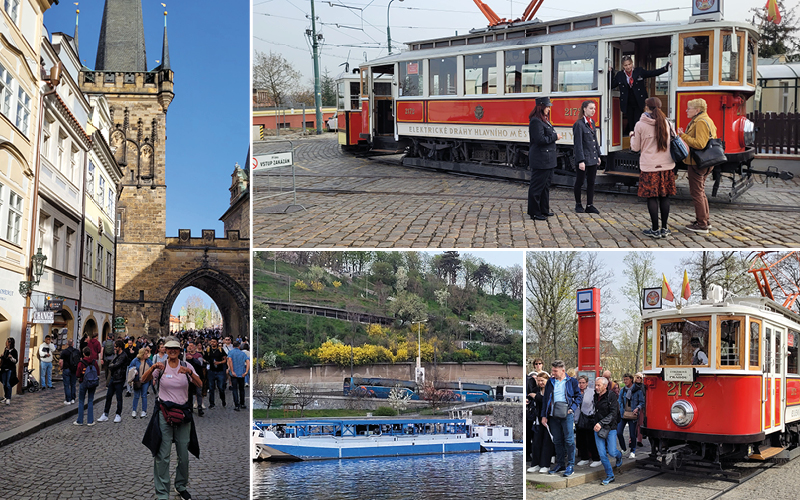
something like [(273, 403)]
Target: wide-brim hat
[(543, 101), (172, 344)]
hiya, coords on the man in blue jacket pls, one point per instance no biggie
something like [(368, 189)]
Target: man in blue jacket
[(562, 397), (631, 398)]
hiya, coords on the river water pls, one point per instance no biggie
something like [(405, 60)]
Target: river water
[(431, 477)]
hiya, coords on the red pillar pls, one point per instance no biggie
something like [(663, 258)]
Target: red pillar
[(588, 309)]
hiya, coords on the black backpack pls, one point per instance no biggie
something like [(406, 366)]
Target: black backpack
[(74, 359)]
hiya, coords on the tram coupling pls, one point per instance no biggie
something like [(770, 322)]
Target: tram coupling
[(770, 172)]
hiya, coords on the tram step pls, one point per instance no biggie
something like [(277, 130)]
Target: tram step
[(622, 173), (767, 453), (386, 151)]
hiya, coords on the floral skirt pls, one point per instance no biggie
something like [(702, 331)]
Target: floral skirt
[(657, 184)]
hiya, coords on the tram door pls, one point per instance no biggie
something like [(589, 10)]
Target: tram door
[(613, 111), (774, 390)]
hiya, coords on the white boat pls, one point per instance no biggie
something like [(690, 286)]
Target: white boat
[(496, 437)]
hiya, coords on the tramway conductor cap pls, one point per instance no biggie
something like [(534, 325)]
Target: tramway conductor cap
[(543, 101)]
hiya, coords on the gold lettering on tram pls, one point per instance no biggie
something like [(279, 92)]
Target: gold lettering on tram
[(675, 388)]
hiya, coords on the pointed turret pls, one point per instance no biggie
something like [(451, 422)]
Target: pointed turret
[(121, 45), (165, 46), (75, 38)]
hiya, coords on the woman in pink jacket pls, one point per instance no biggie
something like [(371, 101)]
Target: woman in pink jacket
[(657, 178)]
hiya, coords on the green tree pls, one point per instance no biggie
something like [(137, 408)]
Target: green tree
[(408, 307), (777, 39), (327, 89)]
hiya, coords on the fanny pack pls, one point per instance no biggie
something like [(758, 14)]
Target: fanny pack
[(560, 409), (174, 414)]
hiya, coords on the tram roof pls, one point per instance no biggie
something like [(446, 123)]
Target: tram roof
[(763, 304), (631, 26)]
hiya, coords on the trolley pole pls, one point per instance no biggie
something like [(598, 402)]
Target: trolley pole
[(317, 91), (388, 28)]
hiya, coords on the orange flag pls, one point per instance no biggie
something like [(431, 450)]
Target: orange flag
[(666, 291), (686, 291), (773, 12)]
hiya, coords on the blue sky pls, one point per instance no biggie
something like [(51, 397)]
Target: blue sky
[(208, 129), (208, 121)]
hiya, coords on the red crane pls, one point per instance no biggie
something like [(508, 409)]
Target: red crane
[(771, 277), (495, 20)]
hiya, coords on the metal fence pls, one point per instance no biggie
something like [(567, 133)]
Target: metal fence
[(776, 133)]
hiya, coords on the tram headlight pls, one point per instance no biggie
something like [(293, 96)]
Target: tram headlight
[(748, 132), (682, 413)]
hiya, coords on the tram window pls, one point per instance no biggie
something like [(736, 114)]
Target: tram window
[(767, 350), (730, 58), (729, 335), (791, 361), (676, 343), (355, 91), (755, 337), (647, 326), (523, 70), (588, 23), (778, 357), (411, 75), (480, 73), (606, 21), (751, 50), (696, 58), (443, 76), (575, 67), (662, 81), (340, 96), (560, 27), (515, 34), (383, 89)]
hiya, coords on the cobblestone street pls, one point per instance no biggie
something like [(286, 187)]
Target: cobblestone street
[(109, 461), (358, 202)]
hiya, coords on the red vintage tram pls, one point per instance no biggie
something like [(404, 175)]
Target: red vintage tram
[(461, 103), (741, 400)]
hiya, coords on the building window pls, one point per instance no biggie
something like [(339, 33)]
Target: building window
[(62, 140), (57, 227), (90, 180), (74, 161), (575, 67), (46, 137), (480, 73), (523, 70), (12, 8), (98, 273), (70, 243), (109, 270), (443, 76), (5, 91), (89, 257), (101, 190), (23, 111), (110, 202), (14, 217)]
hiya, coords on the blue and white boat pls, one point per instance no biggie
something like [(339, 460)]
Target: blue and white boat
[(332, 439), (496, 438)]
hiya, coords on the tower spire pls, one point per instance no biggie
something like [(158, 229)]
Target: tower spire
[(77, 12), (121, 46), (165, 46)]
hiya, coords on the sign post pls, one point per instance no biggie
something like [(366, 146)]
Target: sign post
[(588, 309)]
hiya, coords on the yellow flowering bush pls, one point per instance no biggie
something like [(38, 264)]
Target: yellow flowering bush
[(300, 285), (337, 284), (317, 286)]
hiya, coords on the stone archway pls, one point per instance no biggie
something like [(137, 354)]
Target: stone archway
[(90, 327), (106, 331), (226, 292)]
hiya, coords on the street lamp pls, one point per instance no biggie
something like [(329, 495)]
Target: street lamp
[(419, 374), (388, 31), (26, 287)]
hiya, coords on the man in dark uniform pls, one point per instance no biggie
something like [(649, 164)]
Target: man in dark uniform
[(632, 90)]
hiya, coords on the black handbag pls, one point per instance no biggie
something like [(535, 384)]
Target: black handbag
[(603, 433), (713, 154), (560, 409), (585, 421), (677, 148)]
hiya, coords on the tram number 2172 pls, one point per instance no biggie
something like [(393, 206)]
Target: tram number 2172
[(675, 388)]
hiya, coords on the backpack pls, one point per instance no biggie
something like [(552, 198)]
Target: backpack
[(108, 349), (90, 376), (74, 359)]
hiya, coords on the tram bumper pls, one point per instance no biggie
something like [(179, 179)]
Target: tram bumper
[(677, 436)]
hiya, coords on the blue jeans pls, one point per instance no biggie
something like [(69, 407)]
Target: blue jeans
[(46, 374), (82, 392), (6, 376), (216, 379), (137, 393), (632, 425), (69, 384), (563, 431), (607, 445)]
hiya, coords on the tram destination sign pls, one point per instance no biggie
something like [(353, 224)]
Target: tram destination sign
[(274, 160), (678, 374)]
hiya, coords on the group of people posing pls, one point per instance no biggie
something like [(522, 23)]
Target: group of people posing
[(650, 134), (564, 415)]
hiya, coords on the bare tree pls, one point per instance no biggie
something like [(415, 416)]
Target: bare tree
[(640, 273), (275, 75), (269, 388), (304, 396)]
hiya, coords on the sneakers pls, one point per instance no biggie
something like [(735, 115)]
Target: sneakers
[(544, 470), (697, 228), (185, 495), (66, 402), (8, 401), (665, 233), (223, 403), (619, 462), (212, 405), (556, 469), (653, 233), (103, 418), (609, 479), (77, 423), (200, 412), (117, 419), (569, 471), (597, 463), (632, 455), (535, 468), (143, 414), (590, 209), (133, 414), (235, 408), (90, 424), (579, 209), (2, 400), (582, 463)]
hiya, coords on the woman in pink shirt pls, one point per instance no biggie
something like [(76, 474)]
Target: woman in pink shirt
[(173, 378), (657, 178)]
